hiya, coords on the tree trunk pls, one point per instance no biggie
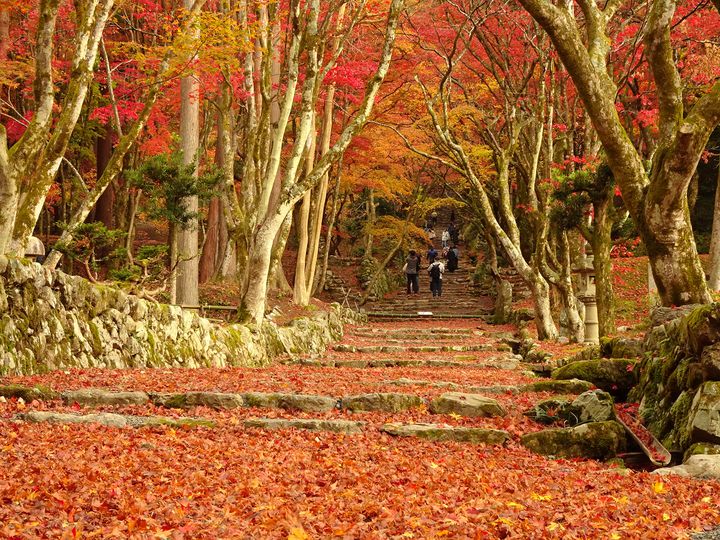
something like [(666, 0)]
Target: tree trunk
[(211, 248), (714, 282), (187, 252), (601, 243), (104, 208)]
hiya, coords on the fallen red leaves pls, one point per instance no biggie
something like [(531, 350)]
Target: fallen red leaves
[(233, 482)]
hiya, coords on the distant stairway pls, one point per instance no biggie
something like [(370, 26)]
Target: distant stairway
[(460, 298)]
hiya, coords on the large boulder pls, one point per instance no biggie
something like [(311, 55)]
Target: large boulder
[(466, 405), (569, 386), (621, 347), (594, 406), (550, 411), (597, 440), (614, 375), (699, 466), (591, 406), (704, 417)]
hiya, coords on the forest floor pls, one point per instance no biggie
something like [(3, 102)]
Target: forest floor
[(233, 480)]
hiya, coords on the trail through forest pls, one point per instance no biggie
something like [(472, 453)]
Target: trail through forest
[(408, 428)]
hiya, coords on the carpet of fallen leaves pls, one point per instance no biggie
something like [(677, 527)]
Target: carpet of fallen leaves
[(91, 481)]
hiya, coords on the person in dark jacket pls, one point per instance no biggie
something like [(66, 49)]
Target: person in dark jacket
[(435, 271), (452, 259), (412, 267)]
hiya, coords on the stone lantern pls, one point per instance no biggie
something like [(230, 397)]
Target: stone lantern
[(587, 297)]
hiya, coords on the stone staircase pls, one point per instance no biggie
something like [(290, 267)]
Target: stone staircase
[(460, 299)]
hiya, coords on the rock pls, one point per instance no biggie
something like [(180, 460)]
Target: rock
[(299, 402), (413, 382), (662, 315), (705, 467), (97, 396), (215, 400), (553, 410), (337, 426), (437, 432), (704, 417), (596, 440), (614, 375), (112, 420), (701, 449), (496, 389), (473, 405), (569, 386), (701, 328), (621, 348), (385, 402), (710, 362), (105, 419), (41, 393), (594, 406)]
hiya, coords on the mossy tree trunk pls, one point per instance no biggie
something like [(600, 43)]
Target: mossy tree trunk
[(657, 201), (601, 243)]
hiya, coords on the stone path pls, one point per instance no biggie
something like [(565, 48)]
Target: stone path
[(428, 392)]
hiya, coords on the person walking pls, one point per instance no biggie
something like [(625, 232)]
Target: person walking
[(434, 218), (445, 238), (431, 254), (412, 267), (435, 271), (452, 259)]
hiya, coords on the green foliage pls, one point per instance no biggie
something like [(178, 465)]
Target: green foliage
[(576, 192), (168, 182), (94, 244)]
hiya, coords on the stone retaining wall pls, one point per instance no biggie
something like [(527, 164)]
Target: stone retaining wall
[(51, 320)]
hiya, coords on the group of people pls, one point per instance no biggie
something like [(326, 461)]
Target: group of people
[(436, 268)]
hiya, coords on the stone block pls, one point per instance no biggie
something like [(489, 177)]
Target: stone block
[(473, 405)]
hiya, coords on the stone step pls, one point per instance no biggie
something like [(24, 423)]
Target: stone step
[(342, 347), (374, 331), (439, 432), (509, 364), (112, 420), (335, 426)]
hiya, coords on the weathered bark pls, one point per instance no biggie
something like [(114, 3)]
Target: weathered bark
[(269, 212), (187, 241), (714, 282), (601, 243), (104, 209), (658, 203)]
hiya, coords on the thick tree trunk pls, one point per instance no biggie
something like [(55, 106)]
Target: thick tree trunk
[(211, 247), (188, 256), (657, 204)]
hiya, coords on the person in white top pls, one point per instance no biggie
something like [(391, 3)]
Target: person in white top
[(445, 238)]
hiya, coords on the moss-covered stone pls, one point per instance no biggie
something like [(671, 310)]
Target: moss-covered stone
[(701, 449), (614, 375), (336, 426), (597, 440), (569, 386), (27, 393), (215, 400), (97, 396), (385, 402), (435, 432), (472, 405)]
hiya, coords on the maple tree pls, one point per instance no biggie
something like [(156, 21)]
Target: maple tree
[(656, 199)]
